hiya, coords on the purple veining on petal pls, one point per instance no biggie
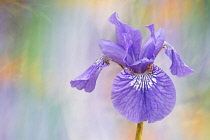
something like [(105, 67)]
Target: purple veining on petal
[(143, 97), (140, 65), (141, 91), (160, 35), (128, 50), (114, 52), (87, 80), (154, 44), (178, 67), (121, 30)]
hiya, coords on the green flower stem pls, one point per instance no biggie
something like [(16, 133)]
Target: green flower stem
[(139, 131)]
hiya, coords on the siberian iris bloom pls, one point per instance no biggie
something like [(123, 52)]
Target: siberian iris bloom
[(142, 91)]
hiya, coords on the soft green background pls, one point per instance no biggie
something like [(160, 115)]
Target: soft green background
[(44, 44)]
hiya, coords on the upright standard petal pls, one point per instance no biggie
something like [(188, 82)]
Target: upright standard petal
[(128, 50), (154, 44), (160, 37), (121, 29), (143, 97), (152, 30), (87, 80), (178, 67)]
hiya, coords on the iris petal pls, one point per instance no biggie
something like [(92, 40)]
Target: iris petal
[(143, 97), (178, 67), (154, 44), (140, 65), (87, 80), (121, 29), (152, 30), (114, 52), (128, 50), (160, 35)]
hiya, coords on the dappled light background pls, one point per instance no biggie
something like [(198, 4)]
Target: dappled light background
[(46, 43)]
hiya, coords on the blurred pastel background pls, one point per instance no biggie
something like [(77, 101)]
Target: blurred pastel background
[(46, 43)]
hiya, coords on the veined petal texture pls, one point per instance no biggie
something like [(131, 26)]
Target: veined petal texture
[(87, 80), (178, 67), (121, 30), (141, 65), (114, 51), (143, 97), (154, 44)]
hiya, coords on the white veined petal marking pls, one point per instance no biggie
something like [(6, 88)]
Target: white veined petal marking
[(143, 81), (103, 59)]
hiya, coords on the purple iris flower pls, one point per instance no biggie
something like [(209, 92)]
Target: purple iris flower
[(141, 91)]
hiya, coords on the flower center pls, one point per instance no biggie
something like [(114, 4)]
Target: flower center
[(149, 68), (143, 81)]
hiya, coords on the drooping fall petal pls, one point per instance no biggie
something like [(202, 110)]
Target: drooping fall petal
[(178, 67), (87, 80), (143, 97)]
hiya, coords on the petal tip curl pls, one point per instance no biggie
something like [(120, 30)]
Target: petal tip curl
[(113, 18)]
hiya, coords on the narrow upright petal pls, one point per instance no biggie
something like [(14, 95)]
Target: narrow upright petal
[(87, 80), (143, 97), (152, 30), (128, 50), (154, 44), (121, 29), (178, 67), (160, 37)]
